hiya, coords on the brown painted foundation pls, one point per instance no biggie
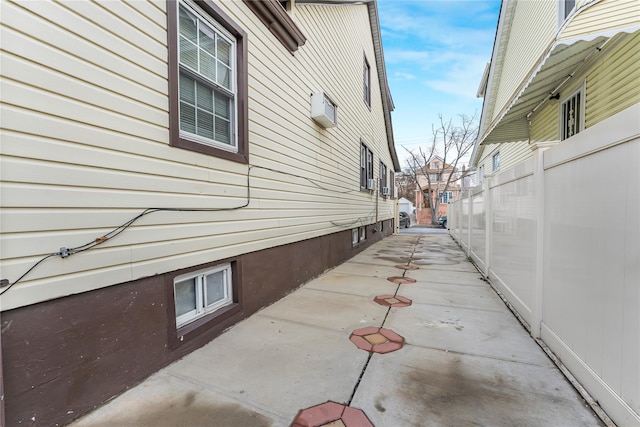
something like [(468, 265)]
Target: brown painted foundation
[(63, 358)]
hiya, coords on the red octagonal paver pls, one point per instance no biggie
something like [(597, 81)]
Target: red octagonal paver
[(401, 280), (331, 414), (393, 300), (376, 340), (407, 267)]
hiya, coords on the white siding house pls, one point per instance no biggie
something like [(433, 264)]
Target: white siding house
[(163, 176)]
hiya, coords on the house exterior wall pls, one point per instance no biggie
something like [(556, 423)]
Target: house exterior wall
[(66, 356), (544, 124), (604, 97), (532, 30), (86, 144), (86, 148), (510, 155), (600, 16)]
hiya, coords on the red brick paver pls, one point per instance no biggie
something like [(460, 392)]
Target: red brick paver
[(331, 414)]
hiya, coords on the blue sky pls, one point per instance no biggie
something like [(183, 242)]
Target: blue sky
[(435, 53)]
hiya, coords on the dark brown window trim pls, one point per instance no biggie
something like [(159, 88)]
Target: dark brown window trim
[(242, 83), (367, 82), (273, 15), (214, 322)]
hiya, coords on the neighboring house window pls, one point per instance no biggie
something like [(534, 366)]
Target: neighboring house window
[(363, 234), (436, 165), (202, 292), (565, 7), (208, 82), (445, 197), (355, 236), (366, 167), (382, 177), (435, 176), (568, 7), (367, 82), (572, 115), (496, 161)]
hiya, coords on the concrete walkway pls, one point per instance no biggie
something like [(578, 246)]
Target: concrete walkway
[(466, 361)]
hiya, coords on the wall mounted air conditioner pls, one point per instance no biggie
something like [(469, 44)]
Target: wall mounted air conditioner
[(371, 184), (386, 191), (323, 110)]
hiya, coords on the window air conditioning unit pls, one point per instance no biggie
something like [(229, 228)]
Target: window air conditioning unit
[(386, 191), (371, 184), (323, 110)]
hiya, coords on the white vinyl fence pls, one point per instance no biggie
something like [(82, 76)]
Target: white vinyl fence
[(559, 237)]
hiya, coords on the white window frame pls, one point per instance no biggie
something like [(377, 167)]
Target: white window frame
[(383, 177), (564, 11), (202, 309), (355, 236), (495, 162), (563, 117), (232, 92), (445, 196), (366, 166)]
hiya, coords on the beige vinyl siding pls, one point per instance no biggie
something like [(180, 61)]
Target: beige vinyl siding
[(85, 144), (544, 124), (511, 154), (532, 31), (605, 96), (602, 16)]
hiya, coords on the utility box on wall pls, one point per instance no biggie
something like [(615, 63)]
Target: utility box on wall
[(323, 110)]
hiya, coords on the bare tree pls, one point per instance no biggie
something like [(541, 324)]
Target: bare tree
[(451, 142), (406, 185)]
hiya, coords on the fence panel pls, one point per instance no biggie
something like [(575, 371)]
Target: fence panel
[(559, 237)]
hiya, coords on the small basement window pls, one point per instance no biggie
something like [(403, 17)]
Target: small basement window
[(202, 292)]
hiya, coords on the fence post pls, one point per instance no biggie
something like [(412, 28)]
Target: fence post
[(469, 221), (538, 181), (488, 226), (2, 416)]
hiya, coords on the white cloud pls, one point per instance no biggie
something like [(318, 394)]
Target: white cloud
[(403, 76)]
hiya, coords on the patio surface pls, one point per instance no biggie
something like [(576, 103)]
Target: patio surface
[(363, 346)]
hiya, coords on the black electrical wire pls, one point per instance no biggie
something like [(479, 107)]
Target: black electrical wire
[(29, 271), (67, 252)]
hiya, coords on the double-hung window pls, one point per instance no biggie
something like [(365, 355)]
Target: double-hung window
[(445, 196), (207, 83), (366, 167), (207, 77), (202, 292), (383, 178), (495, 160)]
